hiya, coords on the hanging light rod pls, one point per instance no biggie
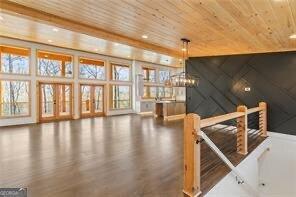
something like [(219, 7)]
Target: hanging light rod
[(185, 40), (183, 79)]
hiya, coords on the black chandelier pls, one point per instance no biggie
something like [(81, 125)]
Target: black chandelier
[(183, 79)]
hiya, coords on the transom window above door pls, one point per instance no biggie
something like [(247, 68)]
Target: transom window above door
[(91, 69), (54, 65), (14, 60)]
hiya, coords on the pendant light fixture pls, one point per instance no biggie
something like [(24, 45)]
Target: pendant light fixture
[(183, 79)]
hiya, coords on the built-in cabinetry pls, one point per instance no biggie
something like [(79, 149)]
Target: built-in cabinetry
[(170, 110)]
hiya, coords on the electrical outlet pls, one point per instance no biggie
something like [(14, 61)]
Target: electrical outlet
[(247, 89)]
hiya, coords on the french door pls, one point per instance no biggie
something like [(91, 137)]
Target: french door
[(55, 101), (91, 100)]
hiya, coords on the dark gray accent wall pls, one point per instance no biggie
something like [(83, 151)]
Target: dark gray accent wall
[(271, 77)]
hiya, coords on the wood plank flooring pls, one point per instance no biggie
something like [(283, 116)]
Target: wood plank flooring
[(123, 156)]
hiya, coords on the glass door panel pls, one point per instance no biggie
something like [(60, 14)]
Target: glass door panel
[(55, 101), (98, 99), (85, 101), (47, 101), (91, 100), (65, 94)]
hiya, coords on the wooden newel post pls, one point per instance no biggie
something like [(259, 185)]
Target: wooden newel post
[(191, 155), (263, 119), (242, 131)]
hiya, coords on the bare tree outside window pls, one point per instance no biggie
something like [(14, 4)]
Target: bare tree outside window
[(164, 75), (14, 98), (98, 94), (47, 99), (50, 68), (150, 92), (121, 97), (168, 92), (120, 94), (85, 98), (149, 75), (120, 73), (14, 64), (88, 71), (164, 92), (54, 65)]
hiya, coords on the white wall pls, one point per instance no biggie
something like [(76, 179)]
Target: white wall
[(276, 169), (249, 170), (33, 78)]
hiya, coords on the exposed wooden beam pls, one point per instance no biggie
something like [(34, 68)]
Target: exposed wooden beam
[(50, 19)]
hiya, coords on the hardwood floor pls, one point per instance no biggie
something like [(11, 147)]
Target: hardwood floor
[(124, 156)]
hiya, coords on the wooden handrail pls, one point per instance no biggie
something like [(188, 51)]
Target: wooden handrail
[(192, 134), (218, 119), (253, 110)]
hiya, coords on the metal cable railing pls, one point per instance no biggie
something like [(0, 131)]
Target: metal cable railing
[(243, 126)]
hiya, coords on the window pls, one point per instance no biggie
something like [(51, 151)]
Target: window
[(54, 65), (150, 92), (164, 92), (91, 69), (120, 72), (14, 60), (149, 74), (164, 75), (14, 98), (120, 97)]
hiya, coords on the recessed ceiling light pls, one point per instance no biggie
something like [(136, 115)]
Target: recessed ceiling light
[(144, 36), (50, 41), (55, 29), (1, 18), (293, 36), (128, 56), (180, 60), (116, 44), (96, 49)]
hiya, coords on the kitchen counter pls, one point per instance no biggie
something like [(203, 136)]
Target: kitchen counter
[(170, 109), (169, 101)]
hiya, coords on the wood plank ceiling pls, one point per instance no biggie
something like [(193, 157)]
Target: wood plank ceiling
[(41, 33), (215, 27)]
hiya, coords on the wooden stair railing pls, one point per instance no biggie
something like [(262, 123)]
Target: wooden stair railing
[(192, 138)]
